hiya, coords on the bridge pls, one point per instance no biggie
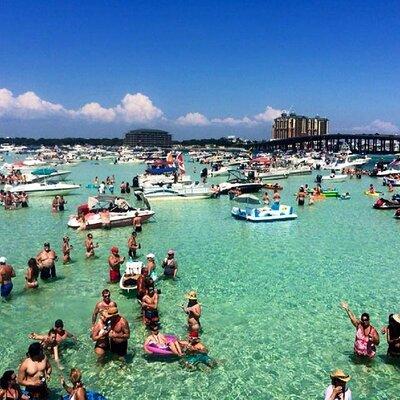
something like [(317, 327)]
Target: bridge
[(358, 143)]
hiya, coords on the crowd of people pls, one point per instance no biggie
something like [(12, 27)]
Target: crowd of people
[(13, 200)]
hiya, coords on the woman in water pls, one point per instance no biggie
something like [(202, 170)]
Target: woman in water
[(367, 337), (392, 332), (9, 388), (301, 196), (337, 389), (32, 274), (77, 391), (66, 249)]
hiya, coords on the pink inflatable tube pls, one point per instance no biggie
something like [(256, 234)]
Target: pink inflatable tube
[(159, 351)]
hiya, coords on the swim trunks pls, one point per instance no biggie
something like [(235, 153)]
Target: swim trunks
[(6, 289), (121, 349), (37, 392), (115, 276)]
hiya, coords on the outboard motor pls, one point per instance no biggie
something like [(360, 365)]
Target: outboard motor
[(251, 176), (318, 178), (135, 182), (204, 173)]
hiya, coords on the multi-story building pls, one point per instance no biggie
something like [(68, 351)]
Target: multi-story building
[(148, 138), (293, 125)]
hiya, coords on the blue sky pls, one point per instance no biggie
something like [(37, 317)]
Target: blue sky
[(196, 68)]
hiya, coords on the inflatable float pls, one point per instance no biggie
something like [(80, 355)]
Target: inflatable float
[(90, 395), (375, 194), (155, 350)]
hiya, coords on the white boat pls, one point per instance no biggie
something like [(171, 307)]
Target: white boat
[(387, 172), (223, 171), (43, 188), (391, 181), (105, 211), (334, 178), (264, 214), (128, 280), (46, 174), (178, 191)]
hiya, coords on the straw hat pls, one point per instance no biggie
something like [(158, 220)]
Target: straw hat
[(396, 317), (192, 295), (3, 260), (110, 312), (339, 374)]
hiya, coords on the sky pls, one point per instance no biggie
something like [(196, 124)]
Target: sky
[(197, 69)]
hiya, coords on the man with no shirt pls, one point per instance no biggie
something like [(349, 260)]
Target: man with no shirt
[(6, 273), (103, 305), (46, 262), (34, 371)]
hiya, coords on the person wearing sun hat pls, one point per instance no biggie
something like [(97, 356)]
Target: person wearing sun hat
[(392, 331), (170, 265), (151, 263), (114, 262), (6, 274), (119, 331), (193, 311), (337, 389)]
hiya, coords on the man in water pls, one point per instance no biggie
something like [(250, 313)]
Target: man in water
[(66, 250), (137, 222), (170, 265), (114, 263), (61, 333), (103, 304), (133, 245), (195, 352), (193, 311), (119, 332), (46, 262), (6, 274), (149, 306), (34, 371)]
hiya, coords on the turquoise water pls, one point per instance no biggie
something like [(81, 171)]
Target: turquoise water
[(270, 294)]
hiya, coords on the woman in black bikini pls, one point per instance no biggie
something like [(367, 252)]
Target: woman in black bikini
[(9, 388)]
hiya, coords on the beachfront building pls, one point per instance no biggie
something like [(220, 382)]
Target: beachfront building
[(292, 125), (148, 138)]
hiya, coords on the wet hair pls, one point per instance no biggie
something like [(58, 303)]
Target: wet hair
[(192, 302), (6, 378), (75, 375), (105, 291), (52, 331), (34, 350), (365, 315), (59, 323)]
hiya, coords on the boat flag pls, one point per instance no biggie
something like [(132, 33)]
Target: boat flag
[(181, 163)]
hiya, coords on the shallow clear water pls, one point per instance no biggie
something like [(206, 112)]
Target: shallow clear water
[(270, 294)]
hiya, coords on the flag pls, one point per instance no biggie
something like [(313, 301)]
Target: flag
[(181, 163)]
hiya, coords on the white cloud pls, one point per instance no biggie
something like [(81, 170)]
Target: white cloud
[(137, 108), (269, 114), (96, 112), (194, 119), (133, 108), (229, 121), (378, 126), (27, 105)]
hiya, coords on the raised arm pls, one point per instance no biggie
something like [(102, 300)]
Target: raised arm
[(350, 313)]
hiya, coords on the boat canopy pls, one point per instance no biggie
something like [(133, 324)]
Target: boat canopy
[(44, 171)]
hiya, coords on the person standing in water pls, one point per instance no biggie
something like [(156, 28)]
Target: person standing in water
[(170, 265), (32, 274), (34, 372), (46, 261), (114, 262), (6, 274), (77, 391), (119, 332), (337, 389), (90, 246), (66, 250), (137, 222), (367, 337), (193, 311), (103, 304), (61, 203), (133, 245)]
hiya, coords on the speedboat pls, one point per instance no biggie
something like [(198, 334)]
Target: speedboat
[(222, 171), (42, 174), (238, 181), (43, 188), (264, 214), (391, 181), (105, 211), (178, 191), (334, 178)]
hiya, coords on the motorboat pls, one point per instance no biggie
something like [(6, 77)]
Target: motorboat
[(178, 191), (42, 174), (104, 211), (43, 188), (334, 178), (222, 171), (264, 214), (391, 181), (239, 181), (384, 204)]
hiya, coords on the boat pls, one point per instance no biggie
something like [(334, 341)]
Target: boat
[(264, 214), (334, 178), (273, 186), (43, 188), (178, 191), (344, 197), (391, 181), (104, 211), (397, 214), (132, 272), (222, 171), (43, 174), (384, 204), (239, 181)]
